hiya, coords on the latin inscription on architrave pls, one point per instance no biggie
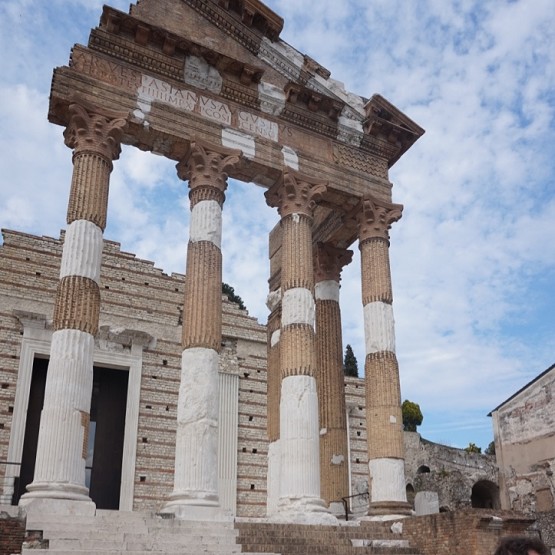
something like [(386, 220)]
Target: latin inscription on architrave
[(257, 125), (156, 89), (215, 110), (151, 89)]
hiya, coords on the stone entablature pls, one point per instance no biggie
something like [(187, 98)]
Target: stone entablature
[(278, 106)]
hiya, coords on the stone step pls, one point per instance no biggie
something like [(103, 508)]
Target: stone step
[(119, 551)]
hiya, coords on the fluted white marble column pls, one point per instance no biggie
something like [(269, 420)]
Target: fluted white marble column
[(63, 435)]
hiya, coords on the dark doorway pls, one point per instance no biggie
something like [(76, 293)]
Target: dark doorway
[(34, 408), (109, 401), (485, 495), (106, 433)]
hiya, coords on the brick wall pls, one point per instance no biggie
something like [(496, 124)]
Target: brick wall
[(12, 533), (472, 532), (138, 296)]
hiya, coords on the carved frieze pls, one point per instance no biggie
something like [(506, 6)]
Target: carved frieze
[(356, 159)]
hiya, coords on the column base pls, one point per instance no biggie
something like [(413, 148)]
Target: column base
[(196, 509), (337, 509), (307, 510), (55, 490), (37, 508), (388, 510)]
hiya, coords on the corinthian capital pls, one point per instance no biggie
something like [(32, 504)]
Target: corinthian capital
[(91, 131), (375, 218), (295, 194), (329, 261), (205, 167)]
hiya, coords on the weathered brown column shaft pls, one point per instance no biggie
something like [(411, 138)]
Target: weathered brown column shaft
[(383, 395), (334, 456), (63, 438), (273, 379)]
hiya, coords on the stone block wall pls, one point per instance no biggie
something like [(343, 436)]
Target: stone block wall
[(545, 525)]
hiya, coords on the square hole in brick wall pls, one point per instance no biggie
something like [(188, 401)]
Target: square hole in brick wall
[(244, 449), (255, 450), (142, 479), (250, 418), (252, 486)]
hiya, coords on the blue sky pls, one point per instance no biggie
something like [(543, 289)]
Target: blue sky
[(473, 258)]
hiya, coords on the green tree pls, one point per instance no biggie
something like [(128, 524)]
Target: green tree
[(412, 415), (490, 449), (232, 296), (350, 364), (473, 448)]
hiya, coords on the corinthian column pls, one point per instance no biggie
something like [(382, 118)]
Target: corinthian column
[(334, 457), (195, 493), (299, 493), (384, 422), (64, 426)]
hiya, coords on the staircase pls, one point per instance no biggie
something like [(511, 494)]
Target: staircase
[(115, 533)]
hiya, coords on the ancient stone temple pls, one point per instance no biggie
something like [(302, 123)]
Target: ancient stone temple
[(154, 393)]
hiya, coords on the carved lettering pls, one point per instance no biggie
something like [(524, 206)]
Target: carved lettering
[(155, 89), (254, 124), (200, 74), (215, 110), (105, 70)]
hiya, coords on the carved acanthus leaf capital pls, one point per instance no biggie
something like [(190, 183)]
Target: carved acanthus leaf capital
[(375, 218), (295, 194), (89, 130), (206, 168), (329, 261)]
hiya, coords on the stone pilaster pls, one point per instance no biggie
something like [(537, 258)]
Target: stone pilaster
[(334, 456), (295, 197), (273, 382), (62, 446), (195, 493), (384, 420)]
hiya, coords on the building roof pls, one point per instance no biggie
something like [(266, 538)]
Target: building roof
[(552, 367)]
